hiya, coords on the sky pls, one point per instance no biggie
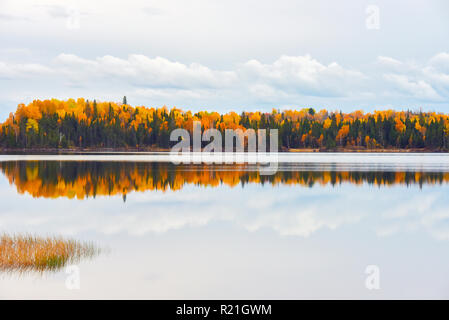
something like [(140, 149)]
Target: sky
[(228, 55)]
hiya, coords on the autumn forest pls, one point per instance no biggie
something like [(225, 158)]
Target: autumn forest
[(56, 124)]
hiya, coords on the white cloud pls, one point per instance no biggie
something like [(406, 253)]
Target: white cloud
[(294, 81), (293, 75), (391, 64), (426, 82), (55, 11), (10, 70), (145, 71), (419, 89), (440, 62), (303, 75), (10, 17), (288, 75)]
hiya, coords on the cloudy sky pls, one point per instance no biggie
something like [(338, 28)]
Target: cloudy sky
[(228, 55)]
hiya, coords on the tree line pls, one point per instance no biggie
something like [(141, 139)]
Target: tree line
[(90, 124)]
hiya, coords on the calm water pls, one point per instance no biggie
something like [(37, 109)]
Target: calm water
[(225, 231)]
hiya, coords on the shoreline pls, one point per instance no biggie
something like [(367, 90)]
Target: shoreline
[(365, 150), (166, 150)]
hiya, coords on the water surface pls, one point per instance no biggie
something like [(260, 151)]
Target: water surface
[(208, 231)]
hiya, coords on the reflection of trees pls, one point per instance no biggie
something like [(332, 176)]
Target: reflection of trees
[(82, 179)]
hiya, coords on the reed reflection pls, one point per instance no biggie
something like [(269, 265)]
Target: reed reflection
[(23, 254), (82, 179)]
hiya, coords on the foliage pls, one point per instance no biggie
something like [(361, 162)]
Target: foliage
[(84, 124)]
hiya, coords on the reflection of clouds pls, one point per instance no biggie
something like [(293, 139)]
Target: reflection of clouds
[(289, 211), (302, 223), (419, 204), (300, 218), (424, 211), (158, 212)]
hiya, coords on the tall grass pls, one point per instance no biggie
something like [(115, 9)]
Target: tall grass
[(27, 253)]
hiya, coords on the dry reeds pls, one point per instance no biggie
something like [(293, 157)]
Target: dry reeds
[(27, 253)]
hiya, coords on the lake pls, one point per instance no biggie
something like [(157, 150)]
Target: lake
[(313, 229)]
